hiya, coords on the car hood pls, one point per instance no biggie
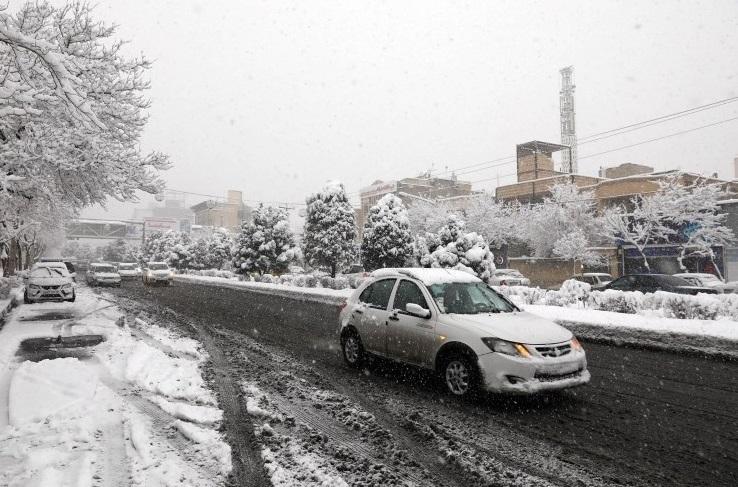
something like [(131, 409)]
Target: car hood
[(518, 326), (127, 271), (49, 281), (107, 274)]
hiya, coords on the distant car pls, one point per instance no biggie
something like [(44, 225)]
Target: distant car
[(508, 277), (47, 283), (649, 283), (451, 322), (102, 275), (709, 280), (52, 262), (597, 280), (157, 273), (129, 271)]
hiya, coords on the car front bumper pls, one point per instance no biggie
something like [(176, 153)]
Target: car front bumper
[(49, 293), (518, 375)]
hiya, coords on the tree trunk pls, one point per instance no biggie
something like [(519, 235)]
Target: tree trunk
[(333, 270), (12, 257)]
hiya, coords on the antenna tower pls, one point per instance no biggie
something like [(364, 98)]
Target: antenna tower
[(568, 125)]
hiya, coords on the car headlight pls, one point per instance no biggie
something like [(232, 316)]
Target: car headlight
[(575, 345), (508, 348), (34, 286), (67, 287)]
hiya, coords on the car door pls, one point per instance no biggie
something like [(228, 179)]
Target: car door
[(647, 284), (410, 338), (374, 314), (624, 283)]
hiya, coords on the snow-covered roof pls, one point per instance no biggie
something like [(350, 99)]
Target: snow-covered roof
[(428, 276)]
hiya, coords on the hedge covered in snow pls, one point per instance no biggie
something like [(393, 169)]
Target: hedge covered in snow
[(670, 305), (296, 280)]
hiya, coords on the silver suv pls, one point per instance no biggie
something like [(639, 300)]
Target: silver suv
[(452, 322)]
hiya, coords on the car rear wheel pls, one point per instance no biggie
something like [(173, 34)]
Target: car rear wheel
[(461, 376), (353, 350)]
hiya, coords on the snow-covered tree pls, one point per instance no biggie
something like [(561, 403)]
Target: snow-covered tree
[(567, 215), (499, 223), (330, 229), (386, 240), (427, 216), (454, 248), (266, 244), (218, 246), (120, 251), (170, 247), (71, 114), (693, 208)]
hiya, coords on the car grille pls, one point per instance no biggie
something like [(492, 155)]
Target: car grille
[(554, 350), (552, 378), (50, 288)]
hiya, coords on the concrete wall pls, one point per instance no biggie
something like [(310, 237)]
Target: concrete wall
[(545, 273)]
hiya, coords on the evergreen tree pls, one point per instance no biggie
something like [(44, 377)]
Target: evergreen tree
[(386, 241), (330, 229), (266, 245)]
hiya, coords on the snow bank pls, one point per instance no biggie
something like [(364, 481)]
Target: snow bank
[(209, 441), (39, 390), (328, 296), (189, 412), (724, 329), (157, 372)]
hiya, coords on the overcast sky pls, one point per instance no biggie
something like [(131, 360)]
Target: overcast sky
[(274, 98)]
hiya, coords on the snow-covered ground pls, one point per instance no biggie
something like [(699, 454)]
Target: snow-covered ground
[(133, 410)]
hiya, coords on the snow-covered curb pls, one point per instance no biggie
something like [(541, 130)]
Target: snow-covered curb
[(7, 304), (319, 295), (708, 337)]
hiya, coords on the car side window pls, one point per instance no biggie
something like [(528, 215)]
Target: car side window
[(377, 294), (408, 292), (621, 283)]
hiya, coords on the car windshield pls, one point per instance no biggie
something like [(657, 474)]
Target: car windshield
[(49, 272), (103, 268), (158, 267), (126, 267), (468, 298)]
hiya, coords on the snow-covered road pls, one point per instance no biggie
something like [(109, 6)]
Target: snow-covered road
[(648, 417), (133, 410)]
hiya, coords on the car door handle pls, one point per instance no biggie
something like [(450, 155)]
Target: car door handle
[(358, 311), (394, 318), (424, 325)]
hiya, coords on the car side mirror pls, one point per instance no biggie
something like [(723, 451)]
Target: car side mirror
[(417, 310)]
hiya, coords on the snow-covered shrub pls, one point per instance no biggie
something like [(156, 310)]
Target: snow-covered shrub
[(684, 306), (300, 280), (340, 282), (729, 306), (618, 301), (573, 291), (267, 279), (453, 248), (326, 282), (528, 295), (287, 279), (311, 281), (355, 281)]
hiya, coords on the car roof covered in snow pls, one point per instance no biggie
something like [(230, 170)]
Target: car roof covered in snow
[(428, 276)]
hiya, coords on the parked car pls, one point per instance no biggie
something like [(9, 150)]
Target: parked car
[(129, 271), (102, 275), (649, 283), (508, 277), (157, 273), (709, 280), (52, 262), (453, 323), (48, 283), (597, 280)]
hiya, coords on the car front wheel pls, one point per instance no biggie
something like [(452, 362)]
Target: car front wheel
[(461, 376), (25, 298), (353, 350)]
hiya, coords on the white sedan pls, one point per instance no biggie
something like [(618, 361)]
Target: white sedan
[(453, 323), (49, 284), (709, 280), (508, 277)]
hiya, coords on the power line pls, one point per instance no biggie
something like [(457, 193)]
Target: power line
[(603, 135)]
